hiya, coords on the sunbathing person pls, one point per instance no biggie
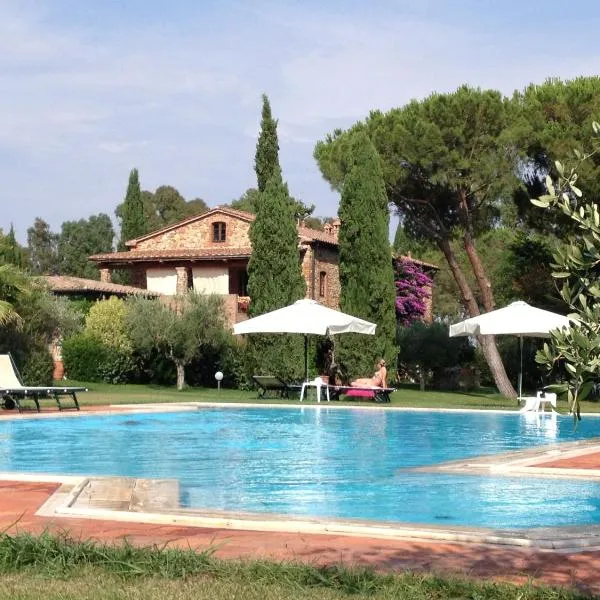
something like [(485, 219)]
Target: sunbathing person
[(379, 379)]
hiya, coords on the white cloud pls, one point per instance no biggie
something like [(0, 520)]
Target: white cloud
[(81, 103)]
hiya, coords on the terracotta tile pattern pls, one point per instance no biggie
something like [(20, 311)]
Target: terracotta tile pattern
[(585, 461), (63, 283), (185, 253)]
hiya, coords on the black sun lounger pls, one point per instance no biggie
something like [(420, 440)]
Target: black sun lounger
[(273, 384), (13, 391)]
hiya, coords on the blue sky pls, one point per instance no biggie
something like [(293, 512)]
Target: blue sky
[(90, 89)]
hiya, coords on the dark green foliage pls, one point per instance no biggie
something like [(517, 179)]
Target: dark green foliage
[(41, 244), (80, 239), (250, 200), (87, 359), (83, 357), (266, 161), (275, 280), (555, 118), (38, 368), (366, 272), (186, 331), (164, 207), (133, 223), (11, 252), (427, 350), (529, 263), (534, 375)]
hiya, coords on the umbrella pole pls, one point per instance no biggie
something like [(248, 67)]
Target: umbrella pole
[(520, 370), (305, 357)]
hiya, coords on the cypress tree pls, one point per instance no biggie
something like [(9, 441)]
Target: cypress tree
[(266, 161), (366, 271), (133, 223), (275, 280)]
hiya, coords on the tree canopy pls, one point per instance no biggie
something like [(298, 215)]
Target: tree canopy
[(448, 162), (164, 207), (133, 224), (42, 248), (80, 239)]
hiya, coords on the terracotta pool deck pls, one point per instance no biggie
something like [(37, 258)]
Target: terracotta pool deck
[(20, 500)]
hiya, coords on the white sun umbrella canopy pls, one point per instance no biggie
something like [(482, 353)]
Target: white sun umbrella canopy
[(519, 318), (306, 317)]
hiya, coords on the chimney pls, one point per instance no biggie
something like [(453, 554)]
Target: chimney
[(335, 228)]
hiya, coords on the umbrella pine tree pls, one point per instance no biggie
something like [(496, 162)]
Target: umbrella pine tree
[(366, 271)]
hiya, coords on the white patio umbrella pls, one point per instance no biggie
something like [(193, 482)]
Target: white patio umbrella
[(306, 317), (519, 318)]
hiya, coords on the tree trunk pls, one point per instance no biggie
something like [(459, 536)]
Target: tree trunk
[(487, 296), (494, 361), (180, 374), (487, 342)]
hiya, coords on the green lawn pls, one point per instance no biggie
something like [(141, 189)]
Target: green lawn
[(407, 396), (60, 568)]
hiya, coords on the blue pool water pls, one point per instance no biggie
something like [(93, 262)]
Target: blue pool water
[(318, 462)]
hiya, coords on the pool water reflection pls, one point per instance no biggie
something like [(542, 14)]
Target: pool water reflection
[(319, 462)]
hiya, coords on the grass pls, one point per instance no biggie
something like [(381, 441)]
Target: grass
[(408, 396), (54, 567)]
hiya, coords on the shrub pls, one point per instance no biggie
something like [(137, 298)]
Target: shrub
[(106, 322), (83, 356), (428, 350), (38, 368)]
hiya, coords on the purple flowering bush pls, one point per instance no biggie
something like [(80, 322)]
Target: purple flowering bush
[(413, 289)]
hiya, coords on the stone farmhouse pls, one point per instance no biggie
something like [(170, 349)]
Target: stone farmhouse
[(209, 253)]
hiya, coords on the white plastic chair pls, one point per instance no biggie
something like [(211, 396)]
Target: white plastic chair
[(318, 383), (547, 398)]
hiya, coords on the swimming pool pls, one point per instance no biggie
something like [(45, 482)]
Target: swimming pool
[(318, 462)]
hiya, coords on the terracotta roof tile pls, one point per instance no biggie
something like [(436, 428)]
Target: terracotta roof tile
[(185, 253), (418, 262), (62, 283)]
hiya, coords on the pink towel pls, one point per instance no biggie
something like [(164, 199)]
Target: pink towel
[(360, 392)]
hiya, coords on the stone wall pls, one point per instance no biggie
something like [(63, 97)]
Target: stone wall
[(199, 234), (322, 259)]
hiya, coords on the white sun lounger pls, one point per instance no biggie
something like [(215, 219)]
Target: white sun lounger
[(538, 403), (13, 389)]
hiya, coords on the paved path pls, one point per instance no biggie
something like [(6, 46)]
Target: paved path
[(19, 502)]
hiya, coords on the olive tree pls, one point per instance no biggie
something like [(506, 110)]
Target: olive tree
[(575, 349), (181, 331)]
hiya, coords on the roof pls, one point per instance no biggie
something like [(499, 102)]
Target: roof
[(418, 262), (168, 255), (305, 233), (65, 284)]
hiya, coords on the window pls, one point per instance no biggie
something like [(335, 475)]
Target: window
[(219, 232), (322, 284)]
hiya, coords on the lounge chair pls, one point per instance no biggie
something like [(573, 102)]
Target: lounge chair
[(13, 391), (275, 385), (538, 403), (378, 394)]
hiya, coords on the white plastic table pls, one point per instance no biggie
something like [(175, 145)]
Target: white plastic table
[(317, 383)]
